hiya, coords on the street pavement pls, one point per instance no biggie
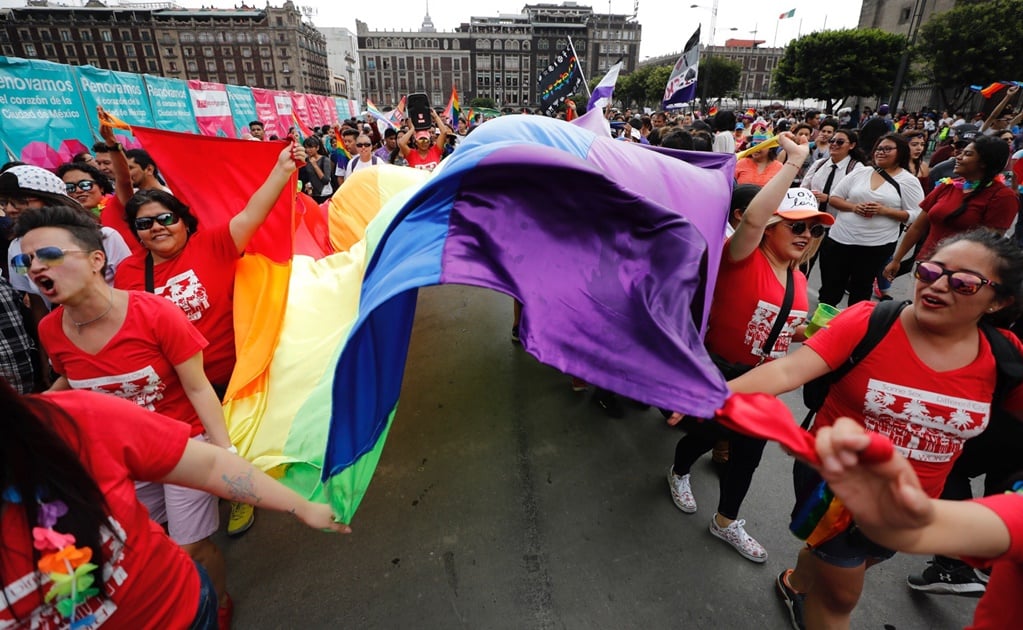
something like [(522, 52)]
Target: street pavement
[(505, 500)]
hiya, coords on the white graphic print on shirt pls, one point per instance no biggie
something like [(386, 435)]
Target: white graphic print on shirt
[(925, 426), (142, 387), (759, 328), (187, 293)]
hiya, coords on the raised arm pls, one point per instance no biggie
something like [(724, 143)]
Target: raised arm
[(404, 139), (751, 229), (445, 130), (123, 188), (244, 224), (997, 111)]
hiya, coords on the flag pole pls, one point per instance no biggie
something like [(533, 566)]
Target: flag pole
[(579, 61)]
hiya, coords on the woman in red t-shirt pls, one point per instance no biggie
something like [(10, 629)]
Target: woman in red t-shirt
[(129, 344), (780, 228), (69, 462), (975, 198), (927, 386)]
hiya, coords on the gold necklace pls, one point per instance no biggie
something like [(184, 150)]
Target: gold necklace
[(78, 325)]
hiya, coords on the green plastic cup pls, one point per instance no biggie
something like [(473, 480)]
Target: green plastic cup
[(820, 318)]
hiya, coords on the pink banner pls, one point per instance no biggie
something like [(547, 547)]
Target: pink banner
[(300, 108), (266, 111), (212, 108), (329, 111), (283, 107), (315, 111)]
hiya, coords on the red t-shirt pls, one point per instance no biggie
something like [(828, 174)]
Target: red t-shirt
[(151, 582), (200, 281), (112, 216), (427, 163), (927, 414), (747, 298), (137, 364), (1002, 602), (746, 172), (994, 207)]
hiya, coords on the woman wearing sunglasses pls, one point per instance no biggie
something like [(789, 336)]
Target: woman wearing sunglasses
[(130, 344), (927, 385), (780, 228), (872, 204), (976, 197)]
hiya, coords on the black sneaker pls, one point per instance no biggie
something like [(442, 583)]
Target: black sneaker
[(948, 578), (515, 334), (793, 601)]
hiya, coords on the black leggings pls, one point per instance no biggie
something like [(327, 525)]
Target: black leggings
[(744, 455), (852, 267)]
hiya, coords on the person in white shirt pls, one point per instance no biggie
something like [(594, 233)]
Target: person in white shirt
[(363, 157)]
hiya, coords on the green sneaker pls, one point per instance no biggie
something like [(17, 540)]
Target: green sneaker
[(241, 519)]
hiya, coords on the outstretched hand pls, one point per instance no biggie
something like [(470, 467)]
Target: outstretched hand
[(320, 516), (291, 157), (794, 152), (880, 495)]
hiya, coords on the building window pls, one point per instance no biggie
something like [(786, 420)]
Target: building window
[(129, 50), (24, 35), (250, 79), (456, 64), (188, 37), (126, 35), (147, 50), (229, 65), (192, 66), (188, 51), (65, 35), (247, 65), (211, 65), (89, 49), (69, 50), (173, 66), (264, 52), (44, 34), (49, 50), (904, 14), (145, 36), (109, 51), (8, 50), (30, 50), (207, 51), (419, 63), (371, 64), (436, 83), (85, 35), (133, 65), (152, 66), (246, 51), (267, 66), (104, 34), (483, 44), (543, 44), (498, 45), (401, 63), (113, 64)]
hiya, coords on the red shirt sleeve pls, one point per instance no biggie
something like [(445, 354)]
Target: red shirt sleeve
[(181, 340), (1009, 508), (1001, 210)]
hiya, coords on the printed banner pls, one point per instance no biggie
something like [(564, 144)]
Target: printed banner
[(558, 81), (329, 111), (265, 110), (300, 110), (171, 104), (212, 108), (681, 86), (284, 109), (42, 120), (121, 93), (243, 108)]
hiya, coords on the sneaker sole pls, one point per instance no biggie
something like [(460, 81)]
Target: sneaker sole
[(943, 588), (751, 558), (790, 605), (678, 503)]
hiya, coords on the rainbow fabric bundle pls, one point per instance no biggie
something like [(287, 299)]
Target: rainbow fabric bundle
[(612, 247)]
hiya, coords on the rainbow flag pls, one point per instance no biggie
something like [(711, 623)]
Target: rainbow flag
[(993, 89), (713, 111), (340, 144), (397, 115), (323, 335), (752, 113), (303, 131), (376, 113), (453, 109)]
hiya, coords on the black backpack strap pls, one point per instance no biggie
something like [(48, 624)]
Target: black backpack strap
[(882, 318), (150, 288), (891, 180), (783, 316), (1007, 359)]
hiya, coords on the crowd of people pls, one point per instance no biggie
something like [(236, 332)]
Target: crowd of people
[(113, 288)]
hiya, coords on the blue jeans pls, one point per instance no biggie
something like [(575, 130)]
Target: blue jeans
[(206, 615)]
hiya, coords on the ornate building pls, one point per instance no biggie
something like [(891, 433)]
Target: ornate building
[(272, 47)]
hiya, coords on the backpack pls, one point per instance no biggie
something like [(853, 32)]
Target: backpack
[(1007, 359)]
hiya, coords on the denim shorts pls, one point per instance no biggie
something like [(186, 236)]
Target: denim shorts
[(850, 548), (206, 615)]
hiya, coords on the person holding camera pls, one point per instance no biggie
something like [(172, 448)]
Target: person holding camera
[(426, 154)]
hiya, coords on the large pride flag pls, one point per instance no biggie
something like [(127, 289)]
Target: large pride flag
[(612, 249)]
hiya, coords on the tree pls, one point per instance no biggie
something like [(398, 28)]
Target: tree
[(718, 77), (655, 83), (483, 101), (833, 65), (972, 44)]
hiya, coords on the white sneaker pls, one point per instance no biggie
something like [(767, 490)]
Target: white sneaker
[(736, 536), (681, 492)]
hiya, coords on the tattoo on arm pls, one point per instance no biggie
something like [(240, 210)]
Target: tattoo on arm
[(242, 488)]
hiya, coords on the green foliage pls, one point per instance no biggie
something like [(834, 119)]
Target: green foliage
[(482, 101), (718, 77), (832, 65), (972, 44), (654, 85)]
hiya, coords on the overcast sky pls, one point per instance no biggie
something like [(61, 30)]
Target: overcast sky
[(667, 24)]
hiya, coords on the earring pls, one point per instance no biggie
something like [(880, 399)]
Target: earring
[(991, 310)]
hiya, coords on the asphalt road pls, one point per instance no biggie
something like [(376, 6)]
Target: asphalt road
[(505, 500)]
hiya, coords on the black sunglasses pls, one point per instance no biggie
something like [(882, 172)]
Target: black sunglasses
[(836, 142), (962, 282), (363, 144), (49, 256), (816, 230), (164, 218), (85, 186)]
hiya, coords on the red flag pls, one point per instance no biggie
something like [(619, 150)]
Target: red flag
[(713, 111), (216, 176), (992, 89)]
